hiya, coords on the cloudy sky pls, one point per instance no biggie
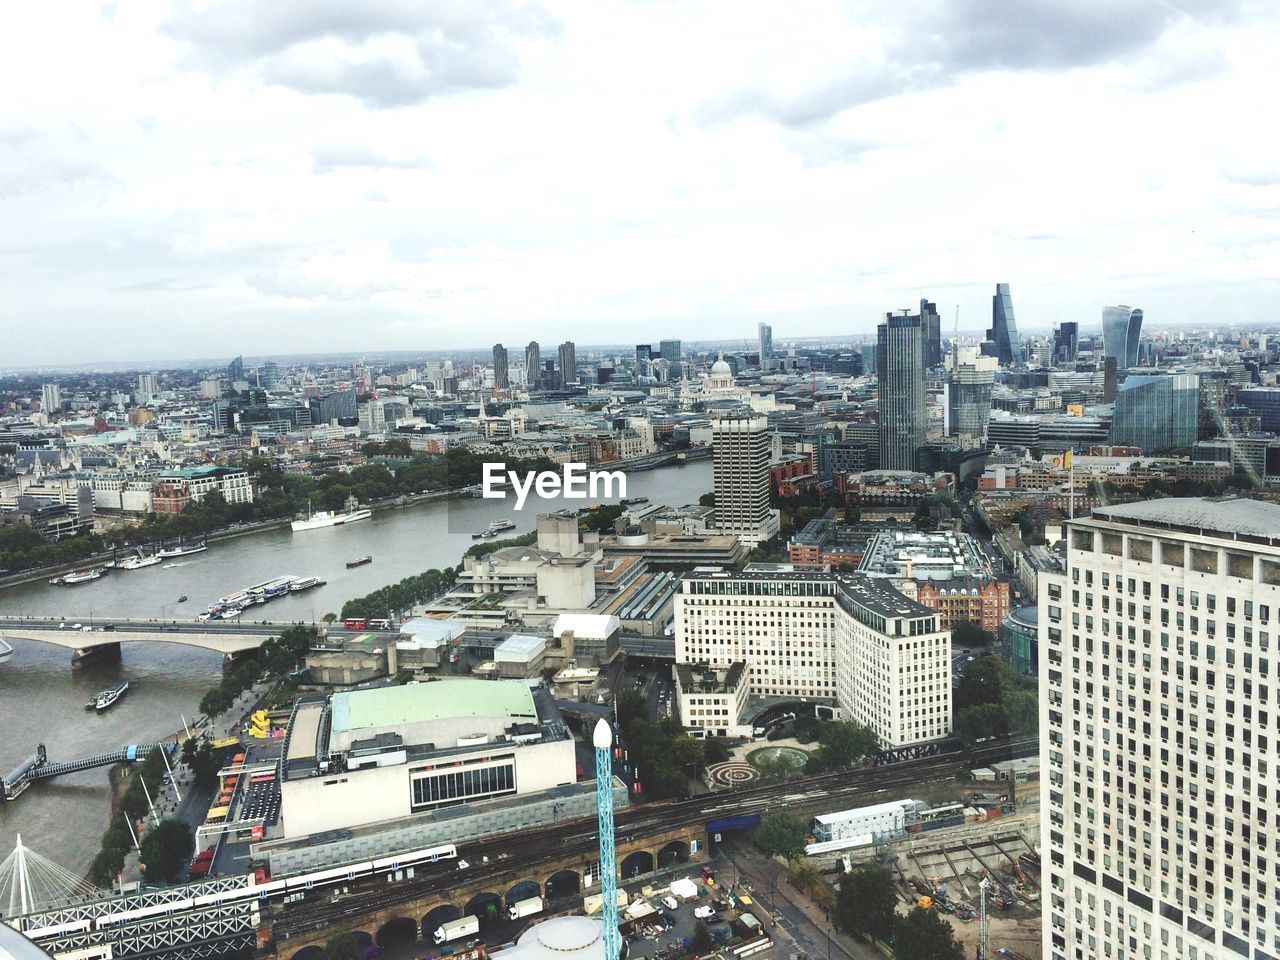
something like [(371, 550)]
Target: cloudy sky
[(183, 179)]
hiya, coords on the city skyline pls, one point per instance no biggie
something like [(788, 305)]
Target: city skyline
[(244, 173)]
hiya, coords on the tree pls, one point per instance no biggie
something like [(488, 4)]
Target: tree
[(967, 634), (865, 904), (923, 935), (707, 500), (802, 873), (781, 834), (983, 720), (166, 849), (842, 744), (702, 941), (329, 617), (344, 946)]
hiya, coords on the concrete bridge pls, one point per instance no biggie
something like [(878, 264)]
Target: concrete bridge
[(409, 919), (102, 637)]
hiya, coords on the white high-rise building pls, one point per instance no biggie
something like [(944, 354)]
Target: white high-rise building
[(50, 399), (1158, 734), (147, 388), (741, 449), (764, 334), (845, 639)]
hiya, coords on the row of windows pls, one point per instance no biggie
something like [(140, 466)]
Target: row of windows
[(456, 786)]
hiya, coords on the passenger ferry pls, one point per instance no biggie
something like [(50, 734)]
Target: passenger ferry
[(182, 550), (323, 518), (80, 576), (138, 561)]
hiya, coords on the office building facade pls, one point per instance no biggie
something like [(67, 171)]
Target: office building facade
[(533, 365), (932, 326), (501, 373), (847, 639), (901, 375), (1066, 342), (1121, 331), (764, 336), (1157, 413), (1004, 330), (1156, 734), (568, 363), (970, 378), (741, 450), (50, 398)]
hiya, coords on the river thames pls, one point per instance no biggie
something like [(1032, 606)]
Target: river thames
[(42, 699)]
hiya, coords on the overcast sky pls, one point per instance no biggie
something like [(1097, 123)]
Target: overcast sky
[(198, 179)]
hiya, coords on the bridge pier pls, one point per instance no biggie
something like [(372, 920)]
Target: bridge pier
[(102, 653)]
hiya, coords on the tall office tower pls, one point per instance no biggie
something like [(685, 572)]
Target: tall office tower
[(900, 370), (268, 375), (501, 374), (644, 353), (568, 363), (1066, 342), (533, 364), (146, 388), (932, 325), (1109, 376), (672, 351), (1004, 332), (50, 398), (970, 377), (764, 334), (1158, 413), (742, 448), (1157, 739), (1121, 330), (235, 370)]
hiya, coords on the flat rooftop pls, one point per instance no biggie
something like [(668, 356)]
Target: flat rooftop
[(1252, 519), (433, 700)]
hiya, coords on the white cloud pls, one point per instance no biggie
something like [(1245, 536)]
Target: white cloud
[(251, 171)]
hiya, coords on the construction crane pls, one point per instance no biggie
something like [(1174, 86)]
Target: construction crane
[(983, 932)]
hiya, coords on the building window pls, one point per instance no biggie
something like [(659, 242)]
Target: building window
[(447, 785)]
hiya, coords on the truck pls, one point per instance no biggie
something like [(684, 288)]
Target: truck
[(462, 927), (525, 908)]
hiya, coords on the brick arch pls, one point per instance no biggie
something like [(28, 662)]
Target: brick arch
[(433, 918), (636, 863), (522, 890), (396, 931), (677, 851), (563, 883)]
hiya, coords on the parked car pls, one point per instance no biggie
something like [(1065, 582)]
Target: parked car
[(702, 913)]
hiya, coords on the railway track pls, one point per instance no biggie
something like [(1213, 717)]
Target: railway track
[(532, 851)]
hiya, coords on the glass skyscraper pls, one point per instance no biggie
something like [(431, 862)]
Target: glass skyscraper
[(970, 377), (900, 369), (1004, 331), (568, 363), (765, 333), (1157, 412), (932, 325), (1121, 329)]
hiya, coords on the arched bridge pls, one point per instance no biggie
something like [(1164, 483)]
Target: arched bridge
[(85, 637)]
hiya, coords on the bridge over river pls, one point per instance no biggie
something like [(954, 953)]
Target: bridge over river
[(84, 638)]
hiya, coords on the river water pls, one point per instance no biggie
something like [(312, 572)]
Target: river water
[(42, 698)]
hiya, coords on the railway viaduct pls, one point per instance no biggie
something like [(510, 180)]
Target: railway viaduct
[(416, 919)]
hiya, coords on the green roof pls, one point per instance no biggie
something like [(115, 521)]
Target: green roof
[(434, 700)]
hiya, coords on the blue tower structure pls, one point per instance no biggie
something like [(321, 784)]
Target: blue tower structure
[(602, 738)]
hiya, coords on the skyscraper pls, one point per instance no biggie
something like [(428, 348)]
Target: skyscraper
[(932, 325), (50, 398), (1004, 331), (146, 388), (741, 450), (1157, 413), (533, 365), (644, 353), (501, 375), (1121, 330), (900, 370), (671, 351), (765, 334), (1157, 746), (970, 377), (568, 363), (235, 370), (1066, 342)]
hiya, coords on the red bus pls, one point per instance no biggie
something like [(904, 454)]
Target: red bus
[(354, 623)]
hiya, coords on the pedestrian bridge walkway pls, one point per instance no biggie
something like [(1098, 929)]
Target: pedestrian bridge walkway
[(38, 767)]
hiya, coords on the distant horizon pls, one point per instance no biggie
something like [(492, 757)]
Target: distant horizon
[(731, 344)]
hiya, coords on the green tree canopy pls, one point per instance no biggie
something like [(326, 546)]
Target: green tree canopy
[(865, 903), (923, 935), (342, 947), (166, 848), (781, 834)]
